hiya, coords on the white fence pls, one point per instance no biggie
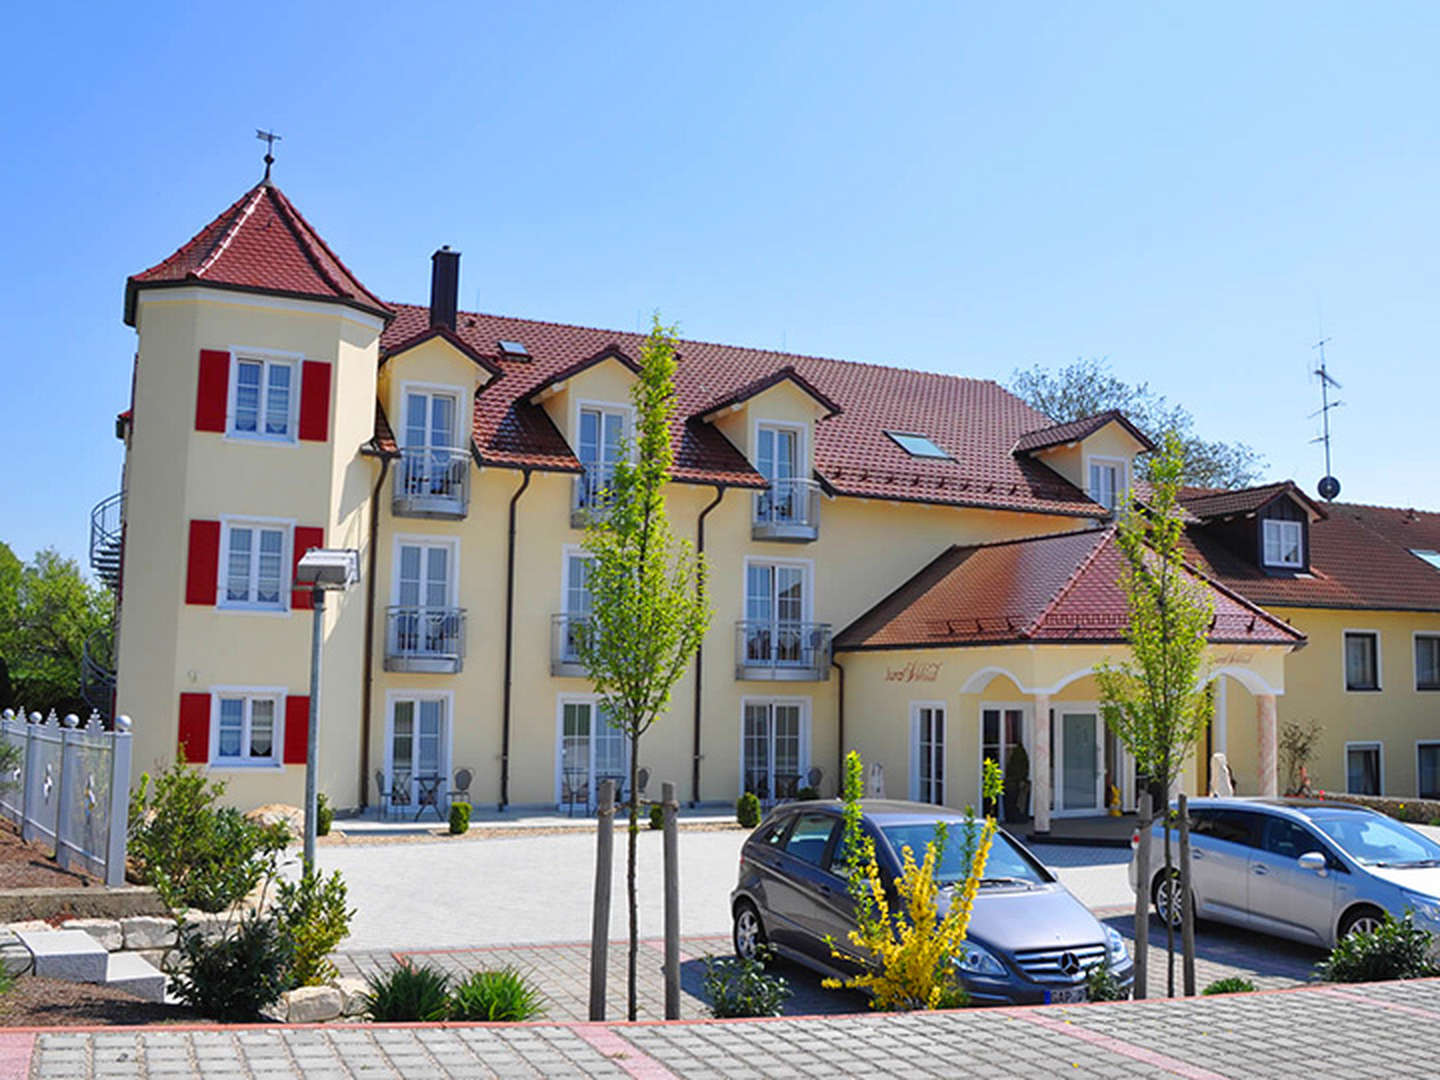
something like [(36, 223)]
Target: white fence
[(70, 788)]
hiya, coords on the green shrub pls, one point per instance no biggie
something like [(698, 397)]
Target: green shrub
[(808, 794), (1235, 984), (312, 913), (747, 810), (657, 816), (408, 993), (504, 995), (1397, 949), (459, 818), (195, 852), (737, 987), (233, 978), (1104, 986), (324, 814)]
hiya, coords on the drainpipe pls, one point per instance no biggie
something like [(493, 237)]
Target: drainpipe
[(509, 648), (720, 490), (368, 663), (839, 728)]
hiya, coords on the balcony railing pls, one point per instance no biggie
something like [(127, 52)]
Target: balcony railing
[(789, 510), (107, 531), (565, 633), (424, 639), (432, 482), (591, 495), (782, 651)]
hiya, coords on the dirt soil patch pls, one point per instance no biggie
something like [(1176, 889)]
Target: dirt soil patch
[(36, 1002), (30, 866)]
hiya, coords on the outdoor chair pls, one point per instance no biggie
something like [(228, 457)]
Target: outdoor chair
[(642, 779), (382, 797), (814, 776), (575, 788), (461, 789), (400, 791)]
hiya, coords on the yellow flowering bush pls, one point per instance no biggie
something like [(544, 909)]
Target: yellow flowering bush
[(914, 948)]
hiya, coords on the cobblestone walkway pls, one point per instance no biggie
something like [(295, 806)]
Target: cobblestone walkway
[(1381, 1030)]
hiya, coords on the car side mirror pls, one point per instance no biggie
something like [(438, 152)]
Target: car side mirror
[(1313, 861)]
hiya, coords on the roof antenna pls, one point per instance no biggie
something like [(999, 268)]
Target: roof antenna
[(270, 139), (1329, 487)]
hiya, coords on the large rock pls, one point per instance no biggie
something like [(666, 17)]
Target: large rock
[(148, 932), (271, 813), (30, 926), (312, 1004), (106, 931), (353, 991)]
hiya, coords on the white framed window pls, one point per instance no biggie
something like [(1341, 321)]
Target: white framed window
[(1427, 768), (1003, 727), (1284, 543), (255, 565), (1107, 481), (245, 726), (774, 746), (602, 434), (1362, 660), (780, 459), (591, 750), (1364, 768), (264, 396), (1427, 661), (417, 746), (778, 605), (927, 752)]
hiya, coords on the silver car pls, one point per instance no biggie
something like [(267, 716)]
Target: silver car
[(1313, 871)]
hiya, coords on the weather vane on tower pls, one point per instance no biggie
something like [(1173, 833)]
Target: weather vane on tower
[(270, 139)]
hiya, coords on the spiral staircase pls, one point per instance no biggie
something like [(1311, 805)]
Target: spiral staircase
[(97, 660)]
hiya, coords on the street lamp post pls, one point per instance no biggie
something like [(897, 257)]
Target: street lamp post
[(324, 570)]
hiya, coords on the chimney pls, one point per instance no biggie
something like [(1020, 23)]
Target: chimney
[(444, 287)]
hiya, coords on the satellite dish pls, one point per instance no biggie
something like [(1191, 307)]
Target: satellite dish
[(1329, 487)]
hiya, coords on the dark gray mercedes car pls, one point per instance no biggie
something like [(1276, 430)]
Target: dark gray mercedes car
[(1030, 940)]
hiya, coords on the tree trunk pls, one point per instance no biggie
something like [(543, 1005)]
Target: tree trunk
[(630, 985)]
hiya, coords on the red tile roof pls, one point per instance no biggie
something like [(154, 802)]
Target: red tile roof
[(759, 386), (1209, 503), (1059, 589), (976, 422), (260, 243), (445, 334), (1074, 430), (1360, 557)]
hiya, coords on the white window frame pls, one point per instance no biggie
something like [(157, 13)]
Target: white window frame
[(594, 702), (1416, 636), (805, 735), (807, 568), (447, 742), (426, 540), (943, 709), (464, 422), (624, 409), (802, 453), (1122, 478), (1027, 738), (1282, 525), (1345, 661), (1419, 744), (249, 694), (1366, 744), (266, 357), (287, 564), (567, 553)]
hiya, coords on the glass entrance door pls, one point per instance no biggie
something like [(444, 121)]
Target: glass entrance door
[(1078, 764), (773, 751), (591, 751), (1001, 731), (419, 749)]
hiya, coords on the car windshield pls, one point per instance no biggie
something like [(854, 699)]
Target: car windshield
[(1006, 863), (1377, 841)]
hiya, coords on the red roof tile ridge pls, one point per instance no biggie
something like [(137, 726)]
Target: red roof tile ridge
[(232, 208), (296, 221), (1378, 506), (231, 231), (397, 305), (1010, 541), (1250, 605), (1103, 536)]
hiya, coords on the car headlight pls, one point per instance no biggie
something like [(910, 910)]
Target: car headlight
[(1426, 907), (1118, 952), (974, 960)]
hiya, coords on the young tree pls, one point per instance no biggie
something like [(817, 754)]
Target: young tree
[(1155, 700), (1087, 387), (647, 587)]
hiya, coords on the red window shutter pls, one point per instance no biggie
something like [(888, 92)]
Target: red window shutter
[(213, 390), (306, 537), (194, 744), (203, 565), (297, 728), (315, 401)]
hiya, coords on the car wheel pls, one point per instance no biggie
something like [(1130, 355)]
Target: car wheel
[(1167, 897), (1363, 920), (750, 941)]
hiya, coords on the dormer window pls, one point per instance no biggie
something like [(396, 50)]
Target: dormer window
[(917, 445), (1284, 544), (1107, 482)]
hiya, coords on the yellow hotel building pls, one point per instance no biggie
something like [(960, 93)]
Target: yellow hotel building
[(917, 566)]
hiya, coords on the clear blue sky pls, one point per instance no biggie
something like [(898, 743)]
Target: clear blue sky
[(962, 188)]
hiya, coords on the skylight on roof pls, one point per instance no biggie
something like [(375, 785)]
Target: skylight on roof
[(1432, 557), (514, 350), (917, 445)]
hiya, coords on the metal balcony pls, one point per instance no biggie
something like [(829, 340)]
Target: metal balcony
[(425, 639), (432, 482), (565, 633), (591, 495), (789, 511), (782, 651)]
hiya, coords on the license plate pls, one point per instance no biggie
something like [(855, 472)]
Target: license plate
[(1067, 997)]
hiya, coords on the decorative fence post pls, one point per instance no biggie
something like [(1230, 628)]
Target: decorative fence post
[(27, 806), (119, 821), (62, 807)]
